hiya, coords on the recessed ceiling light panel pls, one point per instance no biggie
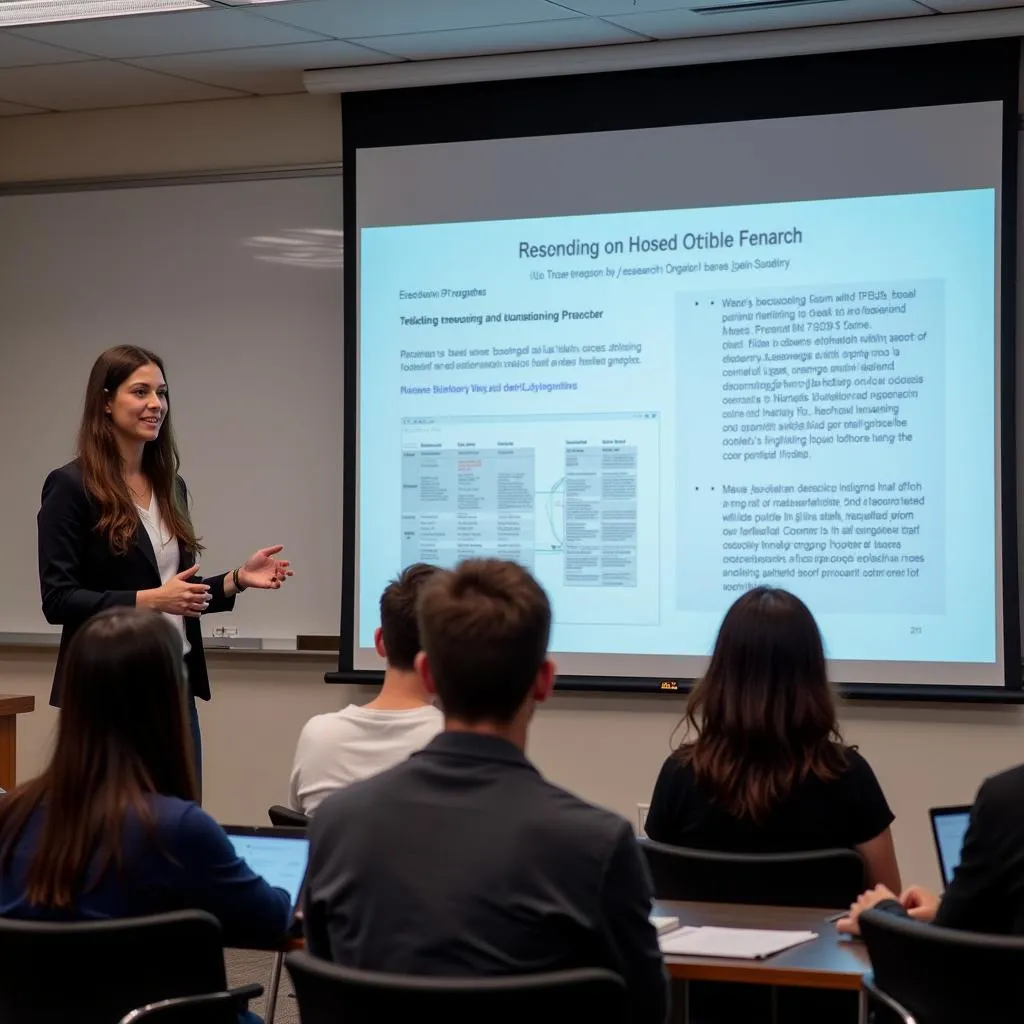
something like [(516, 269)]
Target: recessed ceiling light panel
[(36, 12)]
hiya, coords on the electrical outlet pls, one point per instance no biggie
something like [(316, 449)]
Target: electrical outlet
[(641, 818), (225, 631)]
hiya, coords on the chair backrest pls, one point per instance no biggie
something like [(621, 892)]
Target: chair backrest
[(215, 1008), (94, 972), (285, 817), (328, 993), (945, 976), (818, 878)]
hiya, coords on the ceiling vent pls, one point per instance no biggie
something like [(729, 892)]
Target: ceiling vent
[(757, 5)]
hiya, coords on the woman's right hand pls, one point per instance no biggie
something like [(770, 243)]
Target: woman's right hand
[(177, 596), (920, 903)]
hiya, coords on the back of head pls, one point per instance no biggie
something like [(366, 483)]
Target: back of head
[(764, 714), (121, 737), (484, 628), (399, 627), (123, 699)]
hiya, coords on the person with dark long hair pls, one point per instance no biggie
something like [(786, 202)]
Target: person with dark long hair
[(111, 828), (763, 767), (114, 524)]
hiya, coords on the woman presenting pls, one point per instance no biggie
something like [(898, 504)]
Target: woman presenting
[(114, 526)]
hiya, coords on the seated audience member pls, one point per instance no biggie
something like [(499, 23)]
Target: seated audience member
[(344, 746), (464, 860), (763, 768), (987, 891), (111, 828)]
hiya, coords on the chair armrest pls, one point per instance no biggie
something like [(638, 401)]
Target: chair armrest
[(243, 993), (231, 1007), (887, 1000)]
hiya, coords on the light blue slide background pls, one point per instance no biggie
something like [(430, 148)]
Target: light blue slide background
[(938, 236)]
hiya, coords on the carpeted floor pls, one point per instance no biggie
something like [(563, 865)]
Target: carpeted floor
[(245, 966)]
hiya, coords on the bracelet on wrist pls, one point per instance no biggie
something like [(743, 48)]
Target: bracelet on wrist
[(239, 587)]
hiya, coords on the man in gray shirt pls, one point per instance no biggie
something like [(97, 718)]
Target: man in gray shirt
[(463, 860)]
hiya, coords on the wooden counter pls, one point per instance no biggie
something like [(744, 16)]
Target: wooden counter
[(10, 707)]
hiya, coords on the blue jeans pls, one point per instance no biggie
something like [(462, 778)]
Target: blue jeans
[(197, 742)]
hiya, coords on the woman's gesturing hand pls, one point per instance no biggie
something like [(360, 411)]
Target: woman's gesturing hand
[(177, 596), (263, 571)]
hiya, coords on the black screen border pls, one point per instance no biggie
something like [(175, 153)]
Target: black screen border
[(881, 79)]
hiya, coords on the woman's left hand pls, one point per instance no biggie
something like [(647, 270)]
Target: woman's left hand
[(263, 571)]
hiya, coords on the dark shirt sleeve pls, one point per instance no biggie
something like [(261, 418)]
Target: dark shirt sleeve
[(314, 904), (987, 884), (63, 526), (627, 897), (667, 802), (218, 601), (893, 907), (868, 812), (250, 911)]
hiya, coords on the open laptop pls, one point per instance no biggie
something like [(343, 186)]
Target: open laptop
[(278, 854), (949, 826)]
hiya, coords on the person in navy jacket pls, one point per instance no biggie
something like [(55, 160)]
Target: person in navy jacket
[(111, 827)]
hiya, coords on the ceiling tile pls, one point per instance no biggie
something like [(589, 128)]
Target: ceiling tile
[(541, 35), (150, 35), (680, 23), (263, 69), (951, 6), (12, 109), (348, 19), (17, 52), (98, 83)]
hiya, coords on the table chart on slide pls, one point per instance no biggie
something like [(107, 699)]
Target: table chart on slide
[(561, 494), (467, 502), (601, 515)]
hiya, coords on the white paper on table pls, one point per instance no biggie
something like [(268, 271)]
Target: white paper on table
[(737, 943), (664, 924)]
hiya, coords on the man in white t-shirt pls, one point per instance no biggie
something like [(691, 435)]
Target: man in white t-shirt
[(356, 742)]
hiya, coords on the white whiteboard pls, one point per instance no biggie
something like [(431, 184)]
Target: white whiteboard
[(237, 285)]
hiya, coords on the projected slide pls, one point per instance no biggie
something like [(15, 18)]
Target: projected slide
[(657, 410)]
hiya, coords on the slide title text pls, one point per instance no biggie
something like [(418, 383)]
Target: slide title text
[(672, 243)]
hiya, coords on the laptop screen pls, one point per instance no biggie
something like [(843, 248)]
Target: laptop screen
[(949, 824), (279, 855)]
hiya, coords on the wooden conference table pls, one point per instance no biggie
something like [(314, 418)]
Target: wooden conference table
[(831, 961)]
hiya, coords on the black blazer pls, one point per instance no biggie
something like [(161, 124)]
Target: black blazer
[(79, 575)]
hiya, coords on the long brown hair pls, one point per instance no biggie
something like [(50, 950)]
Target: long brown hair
[(102, 466), (763, 716), (122, 737)]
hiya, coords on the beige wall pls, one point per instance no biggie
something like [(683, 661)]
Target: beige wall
[(265, 131), (605, 748)]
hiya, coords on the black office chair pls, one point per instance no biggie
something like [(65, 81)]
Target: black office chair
[(215, 1008), (819, 878), (94, 972), (282, 817), (285, 817), (329, 993), (931, 975)]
